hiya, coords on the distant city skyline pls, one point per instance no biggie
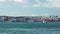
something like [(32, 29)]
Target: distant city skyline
[(29, 7)]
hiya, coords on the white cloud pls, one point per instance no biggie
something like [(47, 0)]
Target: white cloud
[(6, 0), (48, 3), (18, 1), (34, 15), (2, 0), (54, 3), (21, 1), (36, 5)]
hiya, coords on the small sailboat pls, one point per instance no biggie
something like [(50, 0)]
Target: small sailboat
[(44, 21)]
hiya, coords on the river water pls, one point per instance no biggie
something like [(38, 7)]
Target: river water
[(29, 28)]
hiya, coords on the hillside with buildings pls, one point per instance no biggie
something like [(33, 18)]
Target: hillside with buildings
[(30, 19)]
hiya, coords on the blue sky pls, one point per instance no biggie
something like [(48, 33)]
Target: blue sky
[(29, 7)]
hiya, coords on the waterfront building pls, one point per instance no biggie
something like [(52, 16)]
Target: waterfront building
[(29, 19)]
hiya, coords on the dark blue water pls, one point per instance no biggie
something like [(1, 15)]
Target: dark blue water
[(29, 28)]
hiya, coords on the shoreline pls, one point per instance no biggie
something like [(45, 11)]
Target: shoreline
[(30, 19)]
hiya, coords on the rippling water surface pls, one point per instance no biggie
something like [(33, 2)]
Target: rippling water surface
[(29, 28)]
